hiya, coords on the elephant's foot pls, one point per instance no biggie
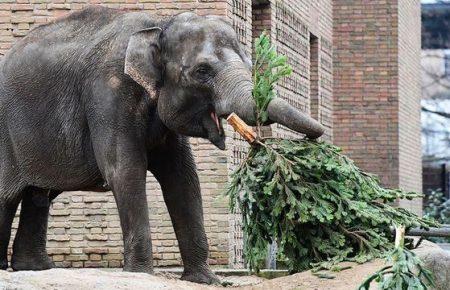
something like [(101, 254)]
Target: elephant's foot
[(203, 276), (3, 264), (31, 263)]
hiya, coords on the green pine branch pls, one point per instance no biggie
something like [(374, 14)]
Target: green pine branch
[(405, 272), (268, 69), (308, 197)]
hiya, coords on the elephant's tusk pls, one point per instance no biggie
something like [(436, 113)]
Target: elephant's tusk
[(216, 121)]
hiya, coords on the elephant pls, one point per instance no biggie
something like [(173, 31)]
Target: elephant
[(94, 100)]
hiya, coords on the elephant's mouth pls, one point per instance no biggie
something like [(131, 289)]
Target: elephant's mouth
[(216, 120), (214, 129)]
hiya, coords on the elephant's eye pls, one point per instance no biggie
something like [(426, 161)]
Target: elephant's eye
[(202, 72)]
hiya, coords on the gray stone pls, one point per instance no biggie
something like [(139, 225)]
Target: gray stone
[(437, 261)]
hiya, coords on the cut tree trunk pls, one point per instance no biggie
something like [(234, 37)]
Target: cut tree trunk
[(242, 128)]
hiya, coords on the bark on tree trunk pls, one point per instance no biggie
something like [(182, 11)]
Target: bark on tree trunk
[(242, 128)]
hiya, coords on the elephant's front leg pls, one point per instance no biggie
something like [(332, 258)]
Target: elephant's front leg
[(128, 186), (174, 168), (124, 166), (116, 121)]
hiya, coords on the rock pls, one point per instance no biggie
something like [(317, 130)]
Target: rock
[(438, 262)]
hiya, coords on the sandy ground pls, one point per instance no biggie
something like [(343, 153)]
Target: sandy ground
[(90, 279)]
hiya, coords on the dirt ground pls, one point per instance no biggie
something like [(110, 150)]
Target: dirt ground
[(89, 279), (344, 280)]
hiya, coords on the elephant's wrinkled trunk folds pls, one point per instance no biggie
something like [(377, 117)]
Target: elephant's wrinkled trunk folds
[(233, 86)]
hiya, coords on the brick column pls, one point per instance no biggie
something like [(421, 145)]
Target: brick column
[(376, 95)]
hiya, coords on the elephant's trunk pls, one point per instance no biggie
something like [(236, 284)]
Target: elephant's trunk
[(282, 112), (234, 94)]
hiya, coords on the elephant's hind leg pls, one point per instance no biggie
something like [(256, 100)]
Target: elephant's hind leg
[(8, 208), (29, 249)]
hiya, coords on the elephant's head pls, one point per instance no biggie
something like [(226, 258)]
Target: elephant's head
[(199, 73)]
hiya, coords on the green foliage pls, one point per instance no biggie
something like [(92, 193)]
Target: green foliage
[(306, 196), (316, 204), (406, 272), (437, 206), (267, 70)]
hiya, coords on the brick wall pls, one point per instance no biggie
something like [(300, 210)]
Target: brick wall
[(365, 85), (376, 79), (293, 23), (84, 226), (240, 14), (84, 229), (18, 16)]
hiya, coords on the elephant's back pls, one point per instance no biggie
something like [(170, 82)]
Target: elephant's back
[(56, 43), (78, 27), (46, 76), (59, 60), (73, 44)]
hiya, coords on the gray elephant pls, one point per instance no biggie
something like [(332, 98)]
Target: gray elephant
[(94, 100)]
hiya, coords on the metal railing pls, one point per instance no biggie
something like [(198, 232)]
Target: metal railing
[(442, 232)]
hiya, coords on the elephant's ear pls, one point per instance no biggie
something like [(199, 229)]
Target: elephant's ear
[(142, 61)]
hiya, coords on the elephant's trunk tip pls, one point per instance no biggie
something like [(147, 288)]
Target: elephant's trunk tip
[(316, 132), (282, 112)]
